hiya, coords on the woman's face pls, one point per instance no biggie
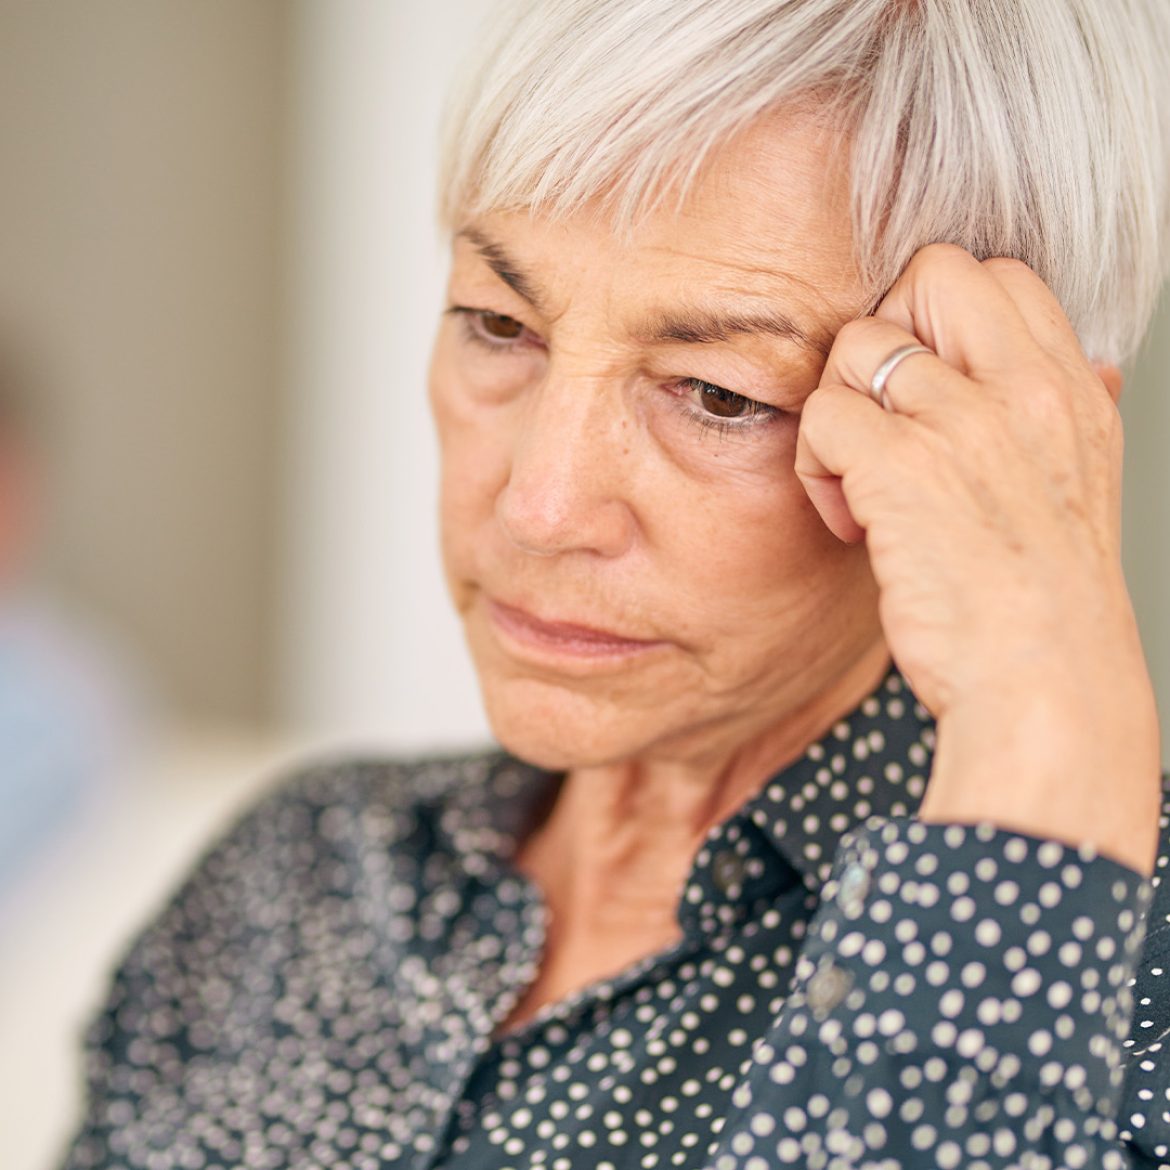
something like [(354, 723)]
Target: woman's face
[(618, 426)]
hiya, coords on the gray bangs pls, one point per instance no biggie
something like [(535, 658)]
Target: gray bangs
[(1039, 131)]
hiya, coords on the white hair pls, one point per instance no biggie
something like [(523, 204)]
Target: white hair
[(1038, 129)]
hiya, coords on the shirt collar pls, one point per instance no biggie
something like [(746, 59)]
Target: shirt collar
[(873, 762)]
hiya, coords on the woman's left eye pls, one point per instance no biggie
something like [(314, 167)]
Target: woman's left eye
[(492, 330), (722, 409)]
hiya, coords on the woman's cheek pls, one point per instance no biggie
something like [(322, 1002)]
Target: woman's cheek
[(476, 419), (756, 456), (744, 492), (485, 377), (466, 376), (477, 424)]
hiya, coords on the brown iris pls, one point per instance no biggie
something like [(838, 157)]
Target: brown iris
[(500, 327), (722, 403)]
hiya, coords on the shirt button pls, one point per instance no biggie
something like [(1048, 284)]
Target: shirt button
[(728, 869), (827, 988), (854, 887)]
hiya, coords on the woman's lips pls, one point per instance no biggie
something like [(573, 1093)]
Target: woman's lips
[(562, 637)]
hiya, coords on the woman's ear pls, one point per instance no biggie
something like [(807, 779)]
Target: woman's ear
[(1111, 376)]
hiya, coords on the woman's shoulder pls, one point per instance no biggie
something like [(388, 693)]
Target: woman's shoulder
[(334, 808), (324, 832), (401, 782), (465, 800), (325, 891)]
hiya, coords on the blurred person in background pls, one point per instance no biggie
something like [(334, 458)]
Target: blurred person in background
[(71, 714), (776, 393)]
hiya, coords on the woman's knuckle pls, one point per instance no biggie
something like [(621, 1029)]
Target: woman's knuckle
[(854, 332), (1048, 394), (813, 411), (939, 255), (1009, 266)]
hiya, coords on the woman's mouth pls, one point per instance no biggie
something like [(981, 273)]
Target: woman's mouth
[(520, 628)]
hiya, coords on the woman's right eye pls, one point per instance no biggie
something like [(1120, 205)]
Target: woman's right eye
[(495, 330)]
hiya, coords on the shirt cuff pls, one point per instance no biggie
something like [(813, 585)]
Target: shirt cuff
[(984, 946)]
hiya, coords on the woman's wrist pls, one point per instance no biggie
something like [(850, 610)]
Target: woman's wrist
[(1065, 758)]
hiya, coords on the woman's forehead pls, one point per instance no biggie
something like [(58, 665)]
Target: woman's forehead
[(661, 299), (766, 223)]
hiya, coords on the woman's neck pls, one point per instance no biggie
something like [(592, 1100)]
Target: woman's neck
[(613, 854)]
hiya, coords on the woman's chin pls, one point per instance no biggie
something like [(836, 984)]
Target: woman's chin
[(557, 730), (557, 749)]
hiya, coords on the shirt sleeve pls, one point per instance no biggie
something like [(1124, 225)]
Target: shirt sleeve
[(188, 994), (962, 1000)]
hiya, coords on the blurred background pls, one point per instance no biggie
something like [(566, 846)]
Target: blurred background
[(218, 282)]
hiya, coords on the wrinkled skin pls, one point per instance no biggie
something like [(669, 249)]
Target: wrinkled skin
[(740, 504)]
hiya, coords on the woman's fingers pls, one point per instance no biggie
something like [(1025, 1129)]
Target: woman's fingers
[(1037, 305), (993, 320), (1053, 331), (987, 501), (921, 383), (845, 447), (1045, 402), (843, 434), (959, 309)]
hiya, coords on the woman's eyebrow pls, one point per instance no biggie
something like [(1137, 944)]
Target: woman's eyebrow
[(502, 265), (690, 326), (703, 326)]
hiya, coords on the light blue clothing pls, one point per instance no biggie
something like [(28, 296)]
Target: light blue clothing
[(64, 725)]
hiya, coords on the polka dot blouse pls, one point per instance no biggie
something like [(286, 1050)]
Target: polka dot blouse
[(852, 988)]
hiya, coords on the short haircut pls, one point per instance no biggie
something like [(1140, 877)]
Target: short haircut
[(1038, 129)]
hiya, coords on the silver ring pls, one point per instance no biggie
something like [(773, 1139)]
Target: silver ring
[(877, 385)]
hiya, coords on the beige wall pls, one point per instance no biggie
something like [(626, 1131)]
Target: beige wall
[(140, 175), (1146, 409)]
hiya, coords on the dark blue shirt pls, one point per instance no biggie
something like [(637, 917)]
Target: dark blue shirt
[(851, 988)]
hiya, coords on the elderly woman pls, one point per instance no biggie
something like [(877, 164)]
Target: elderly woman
[(776, 394)]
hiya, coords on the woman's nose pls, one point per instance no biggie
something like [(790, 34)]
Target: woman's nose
[(566, 490)]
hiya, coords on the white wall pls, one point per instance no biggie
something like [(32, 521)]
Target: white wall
[(371, 649)]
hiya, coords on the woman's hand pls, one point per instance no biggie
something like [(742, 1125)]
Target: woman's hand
[(989, 498)]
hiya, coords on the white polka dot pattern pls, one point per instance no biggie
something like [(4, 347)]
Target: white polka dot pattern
[(979, 1023), (852, 988)]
